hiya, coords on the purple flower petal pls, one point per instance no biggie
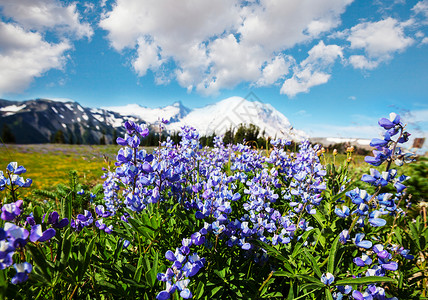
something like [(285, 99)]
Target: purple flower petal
[(47, 235)]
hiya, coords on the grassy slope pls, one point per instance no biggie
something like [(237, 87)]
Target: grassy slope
[(49, 164)]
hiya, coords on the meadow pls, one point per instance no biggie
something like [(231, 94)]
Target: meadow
[(226, 222), (49, 164)]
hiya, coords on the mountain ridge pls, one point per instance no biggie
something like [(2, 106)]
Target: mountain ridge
[(38, 120), (219, 117)]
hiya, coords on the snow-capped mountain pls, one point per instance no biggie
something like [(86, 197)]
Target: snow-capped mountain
[(218, 118), (231, 112), (172, 113), (37, 121)]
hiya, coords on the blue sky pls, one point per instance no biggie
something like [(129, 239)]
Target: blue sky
[(333, 67)]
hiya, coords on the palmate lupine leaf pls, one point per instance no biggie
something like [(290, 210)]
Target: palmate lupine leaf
[(314, 263)]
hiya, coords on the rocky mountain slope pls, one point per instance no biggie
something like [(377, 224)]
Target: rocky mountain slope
[(38, 121)]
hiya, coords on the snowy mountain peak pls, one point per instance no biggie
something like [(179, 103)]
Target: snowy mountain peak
[(217, 118), (231, 112), (172, 113)]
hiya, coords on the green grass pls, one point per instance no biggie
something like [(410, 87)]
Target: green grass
[(49, 164)]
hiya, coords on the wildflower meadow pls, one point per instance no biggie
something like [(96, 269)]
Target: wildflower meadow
[(225, 222)]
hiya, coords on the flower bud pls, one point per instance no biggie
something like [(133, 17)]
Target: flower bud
[(335, 152)]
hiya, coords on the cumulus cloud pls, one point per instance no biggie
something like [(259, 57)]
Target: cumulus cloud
[(25, 51), (276, 69), (379, 40), (26, 55), (313, 70), (218, 44), (42, 15)]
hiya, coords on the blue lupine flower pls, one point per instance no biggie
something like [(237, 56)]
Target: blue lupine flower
[(362, 243), (327, 278), (101, 226), (362, 261), (13, 167), (405, 253), (342, 212), (184, 291), (16, 235), (6, 247), (11, 210), (378, 142), (37, 235), (22, 271), (102, 212), (54, 220), (345, 289), (357, 295), (82, 221)]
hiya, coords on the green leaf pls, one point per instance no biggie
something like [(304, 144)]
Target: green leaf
[(87, 260), (299, 245), (283, 274), (118, 250), (332, 256), (215, 290), (138, 273), (328, 294), (319, 218), (341, 194), (38, 214), (398, 233), (153, 271), (313, 262), (415, 235), (273, 252), (65, 247), (199, 290), (40, 260), (311, 279), (144, 230), (365, 280), (291, 292)]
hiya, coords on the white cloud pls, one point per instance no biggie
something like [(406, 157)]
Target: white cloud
[(312, 71), (380, 40), (302, 113), (25, 55), (276, 69), (424, 41), (44, 15), (419, 34), (421, 8), (361, 62), (416, 116), (218, 44), (26, 52), (147, 57)]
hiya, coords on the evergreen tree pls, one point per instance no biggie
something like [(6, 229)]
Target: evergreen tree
[(7, 135), (103, 138), (229, 136), (114, 137), (59, 137)]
